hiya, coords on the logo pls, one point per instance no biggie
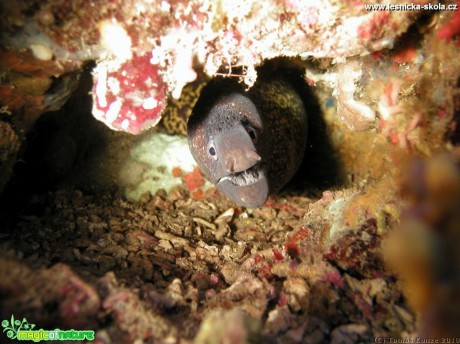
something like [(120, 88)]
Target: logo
[(23, 330)]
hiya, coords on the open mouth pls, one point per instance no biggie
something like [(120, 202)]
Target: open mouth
[(245, 178)]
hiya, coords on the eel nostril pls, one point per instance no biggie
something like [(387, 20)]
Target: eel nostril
[(252, 156)]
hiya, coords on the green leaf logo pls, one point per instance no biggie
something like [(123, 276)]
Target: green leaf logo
[(13, 326)]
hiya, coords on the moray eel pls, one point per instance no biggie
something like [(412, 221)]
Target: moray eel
[(249, 143)]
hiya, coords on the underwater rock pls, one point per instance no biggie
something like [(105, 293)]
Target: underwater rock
[(146, 50)]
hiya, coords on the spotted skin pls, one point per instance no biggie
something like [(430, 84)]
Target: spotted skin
[(258, 137), (177, 112)]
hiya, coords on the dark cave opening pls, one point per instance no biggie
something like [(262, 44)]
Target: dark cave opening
[(61, 144)]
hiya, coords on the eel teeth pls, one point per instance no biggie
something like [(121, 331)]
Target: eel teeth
[(244, 178)]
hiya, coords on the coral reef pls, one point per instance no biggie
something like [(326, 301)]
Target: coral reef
[(145, 49), (123, 235)]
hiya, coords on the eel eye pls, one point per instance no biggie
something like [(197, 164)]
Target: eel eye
[(251, 131), (212, 150), (252, 134)]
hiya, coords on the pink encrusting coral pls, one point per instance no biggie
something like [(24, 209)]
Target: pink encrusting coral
[(129, 98), (133, 80)]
